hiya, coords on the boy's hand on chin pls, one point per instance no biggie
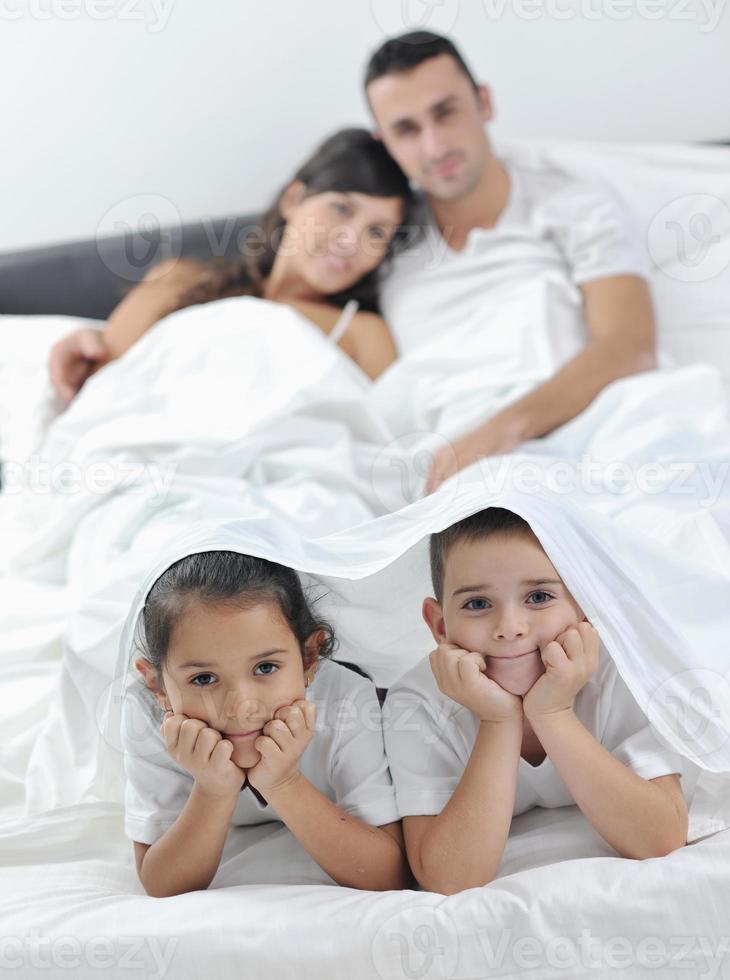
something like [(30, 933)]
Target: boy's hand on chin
[(461, 676), (570, 661)]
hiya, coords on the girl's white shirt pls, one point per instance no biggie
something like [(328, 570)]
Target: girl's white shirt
[(345, 760), (429, 739)]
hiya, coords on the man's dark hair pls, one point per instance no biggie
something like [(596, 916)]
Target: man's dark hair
[(483, 524), (403, 53)]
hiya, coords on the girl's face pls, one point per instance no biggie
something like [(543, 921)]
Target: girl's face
[(333, 239), (503, 598), (233, 668)]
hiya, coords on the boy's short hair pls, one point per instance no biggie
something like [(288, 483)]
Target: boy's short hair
[(483, 524), (405, 52)]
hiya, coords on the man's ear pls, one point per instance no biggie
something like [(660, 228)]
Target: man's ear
[(292, 195), (153, 681), (485, 98), (434, 619)]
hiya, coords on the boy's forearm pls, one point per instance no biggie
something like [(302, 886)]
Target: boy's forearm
[(188, 854), (464, 844), (352, 852), (635, 817)]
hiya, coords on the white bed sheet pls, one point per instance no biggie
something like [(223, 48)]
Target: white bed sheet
[(70, 902)]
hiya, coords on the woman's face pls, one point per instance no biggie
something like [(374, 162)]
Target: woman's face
[(504, 599), (333, 239), (233, 668)]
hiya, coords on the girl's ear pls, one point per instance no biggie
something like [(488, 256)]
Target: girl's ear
[(292, 195), (311, 654), (153, 680), (434, 618)]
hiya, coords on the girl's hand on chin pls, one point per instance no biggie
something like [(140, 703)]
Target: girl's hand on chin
[(204, 753), (570, 661), (281, 745), (461, 676)]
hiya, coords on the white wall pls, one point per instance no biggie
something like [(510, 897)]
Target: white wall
[(115, 108)]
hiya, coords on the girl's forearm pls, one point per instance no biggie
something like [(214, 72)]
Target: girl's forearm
[(463, 845), (187, 856), (352, 852), (635, 817)]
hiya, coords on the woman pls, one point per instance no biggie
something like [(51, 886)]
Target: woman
[(318, 249)]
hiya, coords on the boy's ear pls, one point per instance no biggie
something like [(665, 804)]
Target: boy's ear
[(153, 681), (434, 618)]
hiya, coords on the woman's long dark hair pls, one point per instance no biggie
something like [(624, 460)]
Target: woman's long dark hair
[(351, 160)]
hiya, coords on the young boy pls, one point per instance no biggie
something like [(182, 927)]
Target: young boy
[(518, 706)]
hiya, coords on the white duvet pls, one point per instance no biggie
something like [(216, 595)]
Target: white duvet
[(221, 414)]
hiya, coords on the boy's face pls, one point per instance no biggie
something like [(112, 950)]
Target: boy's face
[(431, 120), (231, 668), (502, 598)]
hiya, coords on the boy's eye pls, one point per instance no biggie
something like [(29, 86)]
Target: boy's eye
[(377, 233), (341, 208), (267, 672), (481, 604), (202, 679), (539, 597)]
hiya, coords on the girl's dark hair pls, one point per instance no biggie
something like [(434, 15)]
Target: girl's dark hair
[(351, 160), (483, 524), (226, 578)]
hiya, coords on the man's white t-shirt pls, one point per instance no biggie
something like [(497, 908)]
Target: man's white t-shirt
[(345, 760), (429, 739), (553, 230)]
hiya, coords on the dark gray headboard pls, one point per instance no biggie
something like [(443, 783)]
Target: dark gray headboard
[(89, 278)]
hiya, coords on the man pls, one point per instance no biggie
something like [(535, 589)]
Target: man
[(431, 114), (502, 225)]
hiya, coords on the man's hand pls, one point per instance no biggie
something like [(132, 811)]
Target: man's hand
[(204, 753), (492, 438), (570, 661), (74, 358), (461, 676), (281, 745)]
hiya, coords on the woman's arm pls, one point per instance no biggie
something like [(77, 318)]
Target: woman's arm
[(187, 856), (78, 355), (367, 340), (156, 296), (462, 846), (640, 818), (352, 852)]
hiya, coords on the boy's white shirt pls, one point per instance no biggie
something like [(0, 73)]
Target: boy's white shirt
[(345, 760), (429, 739)]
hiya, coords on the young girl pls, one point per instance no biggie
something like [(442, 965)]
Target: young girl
[(519, 706), (220, 728)]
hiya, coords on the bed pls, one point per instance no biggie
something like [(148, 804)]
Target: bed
[(563, 904)]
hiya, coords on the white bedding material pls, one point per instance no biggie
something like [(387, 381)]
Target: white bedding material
[(68, 871)]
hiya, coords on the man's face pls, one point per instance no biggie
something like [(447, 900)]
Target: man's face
[(431, 120)]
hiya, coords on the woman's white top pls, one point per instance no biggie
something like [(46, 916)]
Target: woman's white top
[(345, 760), (429, 739)]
